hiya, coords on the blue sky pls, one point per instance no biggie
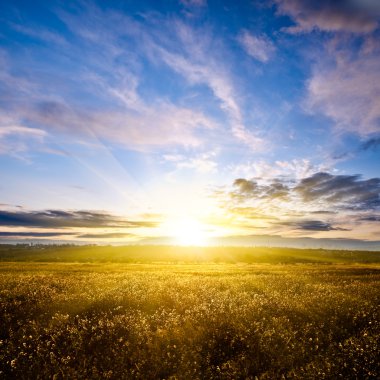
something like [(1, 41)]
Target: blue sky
[(122, 120)]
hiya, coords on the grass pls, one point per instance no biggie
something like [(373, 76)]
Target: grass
[(303, 315)]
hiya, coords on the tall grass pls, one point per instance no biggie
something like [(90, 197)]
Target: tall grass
[(189, 321)]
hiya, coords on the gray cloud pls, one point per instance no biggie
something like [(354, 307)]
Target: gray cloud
[(370, 218), (337, 191), (246, 189), (347, 191), (108, 235), (331, 15), (338, 202), (372, 143), (15, 234), (62, 219), (312, 225)]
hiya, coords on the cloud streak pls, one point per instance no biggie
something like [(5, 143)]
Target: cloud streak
[(68, 219)]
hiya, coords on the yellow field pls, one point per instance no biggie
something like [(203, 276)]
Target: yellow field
[(189, 321)]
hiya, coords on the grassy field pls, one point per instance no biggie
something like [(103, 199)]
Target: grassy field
[(176, 313)]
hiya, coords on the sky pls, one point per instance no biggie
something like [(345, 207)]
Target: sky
[(190, 122)]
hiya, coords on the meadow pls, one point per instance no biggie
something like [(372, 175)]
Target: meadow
[(188, 313)]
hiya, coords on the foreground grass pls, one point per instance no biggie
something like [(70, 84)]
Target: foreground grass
[(189, 321)]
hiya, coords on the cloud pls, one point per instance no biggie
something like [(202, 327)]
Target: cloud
[(328, 190), (111, 55), (331, 15), (202, 163), (341, 191), (109, 75), (40, 34), (246, 189), (347, 90), (370, 218), (296, 168), (17, 234), (371, 144), (312, 225), (16, 140), (68, 219), (201, 63), (194, 3), (258, 47), (108, 235), (167, 124), (281, 205)]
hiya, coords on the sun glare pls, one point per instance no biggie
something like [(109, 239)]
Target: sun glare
[(189, 232)]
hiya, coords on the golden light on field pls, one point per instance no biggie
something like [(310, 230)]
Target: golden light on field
[(189, 232)]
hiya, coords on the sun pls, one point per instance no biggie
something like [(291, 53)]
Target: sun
[(189, 232)]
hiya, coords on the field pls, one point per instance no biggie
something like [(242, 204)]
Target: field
[(186, 313)]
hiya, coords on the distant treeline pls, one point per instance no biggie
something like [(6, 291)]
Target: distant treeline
[(176, 254)]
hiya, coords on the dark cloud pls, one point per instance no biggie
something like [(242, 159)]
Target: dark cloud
[(108, 235), (15, 234), (327, 197), (276, 190), (331, 15), (338, 191), (245, 186), (246, 189), (312, 225), (373, 144), (332, 192), (347, 191), (371, 218), (323, 212), (62, 219)]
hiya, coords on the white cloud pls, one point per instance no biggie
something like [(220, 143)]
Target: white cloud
[(258, 47), (296, 168), (160, 125), (198, 65), (39, 33), (16, 140), (202, 163), (348, 91)]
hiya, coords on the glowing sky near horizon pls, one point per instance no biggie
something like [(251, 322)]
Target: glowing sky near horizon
[(122, 121)]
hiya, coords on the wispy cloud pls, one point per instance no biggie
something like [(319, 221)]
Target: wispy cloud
[(258, 47), (198, 65), (295, 168), (17, 140), (346, 90), (203, 162), (99, 48), (40, 34), (167, 124)]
